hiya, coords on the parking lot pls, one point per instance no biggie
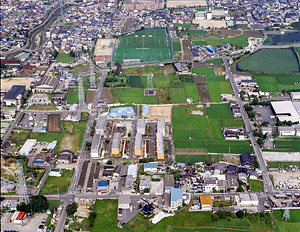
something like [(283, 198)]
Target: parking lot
[(265, 115), (38, 99), (286, 180), (28, 225)]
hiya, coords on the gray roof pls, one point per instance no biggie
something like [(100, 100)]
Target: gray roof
[(160, 124), (14, 92), (159, 143), (116, 140), (101, 122), (169, 180), (138, 142), (141, 123)]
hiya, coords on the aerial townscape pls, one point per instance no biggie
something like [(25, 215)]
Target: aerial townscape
[(150, 115)]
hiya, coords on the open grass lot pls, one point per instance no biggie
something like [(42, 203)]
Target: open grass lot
[(288, 227), (176, 46), (270, 60), (129, 95), (187, 26), (215, 61), (106, 219), (214, 92), (72, 96), (161, 81), (46, 137), (283, 164), (232, 122), (220, 111), (61, 183), (204, 71), (178, 96), (193, 219), (53, 204), (144, 70), (192, 158), (179, 114), (64, 58), (146, 45), (191, 91), (294, 215), (20, 135), (256, 185), (215, 128), (225, 88)]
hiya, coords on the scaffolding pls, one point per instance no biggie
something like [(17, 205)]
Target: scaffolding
[(22, 188)]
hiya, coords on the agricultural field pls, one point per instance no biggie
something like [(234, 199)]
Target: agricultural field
[(147, 45), (214, 92), (54, 183), (192, 92), (176, 46), (136, 82), (178, 96), (20, 135), (53, 123), (204, 71), (203, 92), (201, 132), (270, 61), (277, 83)]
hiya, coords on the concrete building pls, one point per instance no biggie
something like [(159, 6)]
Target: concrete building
[(124, 202), (140, 127), (99, 132), (168, 182), (28, 146), (143, 4), (297, 130), (295, 96), (206, 202), (150, 167), (161, 126), (210, 185), (138, 145), (176, 198), (286, 131), (246, 199), (144, 183), (47, 84), (160, 147), (115, 147), (100, 126), (14, 95), (285, 111), (55, 172), (102, 187), (132, 170), (182, 3)]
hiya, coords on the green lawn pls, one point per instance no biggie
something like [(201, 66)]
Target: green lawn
[(191, 91), (106, 219), (204, 71), (214, 92), (53, 204), (215, 128), (176, 46), (187, 26), (72, 96), (191, 158), (178, 96), (288, 227), (46, 137), (215, 61), (61, 183), (294, 215), (220, 111), (64, 58), (179, 114), (256, 185)]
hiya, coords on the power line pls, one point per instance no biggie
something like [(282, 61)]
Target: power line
[(22, 191)]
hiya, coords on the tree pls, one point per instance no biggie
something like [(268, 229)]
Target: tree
[(103, 36), (147, 190), (92, 218), (240, 214), (279, 123), (215, 217), (260, 141), (37, 203), (117, 63), (221, 214), (109, 162), (240, 189), (71, 209)]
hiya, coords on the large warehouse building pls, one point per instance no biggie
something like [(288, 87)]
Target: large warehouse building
[(286, 111)]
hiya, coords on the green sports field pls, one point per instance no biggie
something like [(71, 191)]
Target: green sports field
[(147, 45)]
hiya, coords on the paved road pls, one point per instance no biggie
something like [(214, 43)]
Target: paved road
[(268, 188)]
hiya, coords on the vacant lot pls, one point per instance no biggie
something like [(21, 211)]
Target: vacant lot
[(53, 123), (106, 94), (192, 158), (106, 219), (256, 185), (164, 96), (64, 58), (7, 83), (19, 135), (203, 92), (90, 97), (199, 79), (54, 183)]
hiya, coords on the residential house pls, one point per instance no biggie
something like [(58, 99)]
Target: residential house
[(176, 198), (246, 159), (151, 167), (206, 202)]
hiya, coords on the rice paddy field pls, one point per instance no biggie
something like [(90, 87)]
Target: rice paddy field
[(205, 131), (270, 61), (147, 45), (277, 83)]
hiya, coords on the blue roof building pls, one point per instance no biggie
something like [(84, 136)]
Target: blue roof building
[(176, 198), (150, 167), (38, 162), (102, 186)]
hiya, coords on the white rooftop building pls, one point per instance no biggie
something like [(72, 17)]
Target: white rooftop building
[(246, 199), (27, 147), (285, 111)]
